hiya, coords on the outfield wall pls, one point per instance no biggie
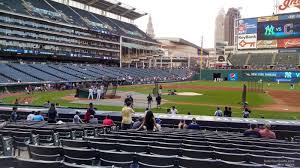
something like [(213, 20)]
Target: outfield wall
[(250, 75)]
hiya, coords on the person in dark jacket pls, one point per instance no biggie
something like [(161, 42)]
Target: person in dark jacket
[(52, 114), (14, 115), (149, 100), (252, 132)]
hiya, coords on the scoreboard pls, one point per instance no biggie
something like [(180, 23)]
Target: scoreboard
[(282, 29), (278, 31)]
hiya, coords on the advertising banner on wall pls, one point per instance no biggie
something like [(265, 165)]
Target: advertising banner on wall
[(266, 44), (267, 18), (247, 26), (247, 41), (288, 43), (233, 77), (289, 16)]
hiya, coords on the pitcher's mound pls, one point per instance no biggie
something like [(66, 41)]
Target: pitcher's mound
[(188, 94)]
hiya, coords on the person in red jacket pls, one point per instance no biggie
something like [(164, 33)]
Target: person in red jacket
[(90, 111), (108, 121)]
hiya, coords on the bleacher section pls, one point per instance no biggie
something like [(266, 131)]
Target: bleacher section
[(96, 145), (260, 60), (76, 16), (287, 60), (264, 60), (40, 73), (238, 59)]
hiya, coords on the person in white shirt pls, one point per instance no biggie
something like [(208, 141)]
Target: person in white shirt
[(30, 116), (91, 96), (173, 110), (99, 93), (102, 89), (219, 112)]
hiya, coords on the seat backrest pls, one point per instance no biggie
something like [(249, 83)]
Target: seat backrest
[(45, 150), (74, 143), (80, 153), (133, 148), (191, 162), (23, 163), (157, 160), (165, 151), (103, 145)]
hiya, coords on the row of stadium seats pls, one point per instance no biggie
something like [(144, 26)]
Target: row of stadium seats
[(169, 148), (54, 73)]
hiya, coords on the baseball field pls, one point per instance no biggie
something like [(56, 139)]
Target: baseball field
[(278, 101)]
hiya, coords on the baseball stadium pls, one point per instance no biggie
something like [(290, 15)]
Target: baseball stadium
[(81, 86)]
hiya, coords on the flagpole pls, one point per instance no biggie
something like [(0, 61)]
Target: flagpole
[(201, 57)]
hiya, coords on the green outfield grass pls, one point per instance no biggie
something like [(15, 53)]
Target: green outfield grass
[(197, 105)]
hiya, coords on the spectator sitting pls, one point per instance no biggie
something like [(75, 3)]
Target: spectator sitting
[(182, 124), (138, 123), (218, 113), (38, 116), (30, 116), (194, 124), (246, 113), (267, 133), (149, 122), (252, 132), (93, 120), (14, 115), (158, 123), (108, 121), (76, 118)]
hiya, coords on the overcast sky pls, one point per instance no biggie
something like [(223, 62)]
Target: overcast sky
[(190, 19)]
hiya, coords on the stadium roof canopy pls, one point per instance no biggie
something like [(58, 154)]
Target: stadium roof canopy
[(114, 7), (181, 41)]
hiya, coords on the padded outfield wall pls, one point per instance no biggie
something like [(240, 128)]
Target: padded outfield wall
[(250, 75)]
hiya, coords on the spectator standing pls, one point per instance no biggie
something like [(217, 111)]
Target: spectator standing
[(52, 114), (93, 120), (267, 133), (194, 124), (30, 116), (127, 112), (158, 101), (38, 116), (149, 100), (76, 118), (252, 132), (90, 111), (14, 115), (219, 112), (246, 113), (149, 122), (108, 121), (173, 110)]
